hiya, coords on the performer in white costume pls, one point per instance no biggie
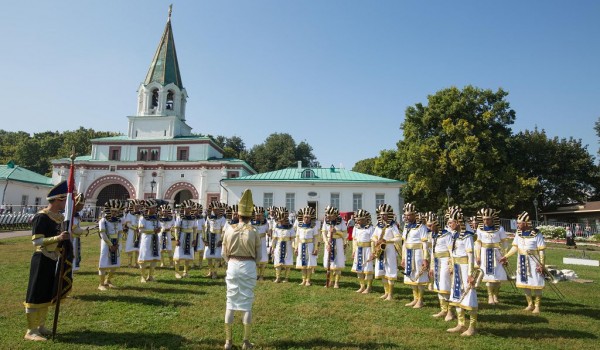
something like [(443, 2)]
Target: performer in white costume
[(199, 246), (386, 238), (490, 246), (77, 231), (165, 236), (439, 271), (306, 243), (213, 239), (110, 231), (149, 228), (362, 262), (415, 255), (130, 224), (283, 237), (531, 248), (262, 226), (334, 234), (185, 233)]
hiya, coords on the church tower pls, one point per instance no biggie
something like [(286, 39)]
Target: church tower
[(161, 97)]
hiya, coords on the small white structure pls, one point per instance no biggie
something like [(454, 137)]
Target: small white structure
[(22, 189), (295, 188), (579, 261), (159, 157)]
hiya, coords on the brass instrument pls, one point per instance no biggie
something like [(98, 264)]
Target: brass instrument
[(477, 275), (547, 275)]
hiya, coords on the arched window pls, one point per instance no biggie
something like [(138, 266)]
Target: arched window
[(170, 97), (308, 174), (154, 98)]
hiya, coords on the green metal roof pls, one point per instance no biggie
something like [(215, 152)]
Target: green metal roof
[(17, 173), (176, 138), (318, 175), (164, 68)]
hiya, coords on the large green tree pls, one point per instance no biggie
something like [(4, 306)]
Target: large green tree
[(459, 140), (597, 128), (565, 170), (280, 151)]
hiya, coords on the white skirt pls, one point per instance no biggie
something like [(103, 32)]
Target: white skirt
[(360, 264), (304, 256), (282, 257), (339, 259), (165, 242), (185, 250), (76, 253), (441, 275), (527, 276), (388, 266), (211, 251), (415, 261), (130, 242), (109, 260), (199, 243), (491, 266), (264, 258), (149, 248), (460, 287), (240, 281)]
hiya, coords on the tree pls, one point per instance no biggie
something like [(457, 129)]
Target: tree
[(459, 140), (279, 151), (597, 128), (565, 170), (365, 166)]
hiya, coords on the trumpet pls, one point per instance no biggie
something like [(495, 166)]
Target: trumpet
[(547, 275)]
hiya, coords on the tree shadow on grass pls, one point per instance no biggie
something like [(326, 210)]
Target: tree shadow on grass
[(133, 300), (320, 343), (512, 319), (135, 340), (539, 333)]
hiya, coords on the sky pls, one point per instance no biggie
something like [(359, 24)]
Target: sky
[(336, 74)]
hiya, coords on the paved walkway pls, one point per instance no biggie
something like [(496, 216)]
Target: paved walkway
[(10, 234)]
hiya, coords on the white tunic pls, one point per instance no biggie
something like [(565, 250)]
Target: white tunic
[(110, 233), (200, 227), (491, 241), (461, 250), (149, 247), (415, 245), (361, 241), (165, 241), (305, 239), (386, 264), (440, 261), (262, 228), (132, 244), (214, 230), (529, 244), (335, 254), (283, 236), (185, 233)]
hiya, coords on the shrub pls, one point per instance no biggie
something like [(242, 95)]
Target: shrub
[(554, 232)]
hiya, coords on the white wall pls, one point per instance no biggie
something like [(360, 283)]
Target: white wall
[(15, 190)]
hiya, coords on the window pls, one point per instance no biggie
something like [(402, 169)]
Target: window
[(24, 200), (290, 202), (114, 153), (379, 199), (232, 174), (154, 98), (112, 168), (267, 200), (183, 153), (356, 201), (170, 99), (148, 154), (335, 200), (308, 174)]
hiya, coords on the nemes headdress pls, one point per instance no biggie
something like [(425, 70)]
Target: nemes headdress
[(310, 211), (230, 210), (488, 213), (113, 209), (79, 202), (165, 211), (454, 213), (524, 217), (187, 204), (409, 208), (246, 205), (385, 209), (363, 214), (283, 215), (332, 211), (431, 218), (257, 210)]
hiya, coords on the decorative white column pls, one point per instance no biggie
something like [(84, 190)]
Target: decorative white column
[(160, 183), (140, 183)]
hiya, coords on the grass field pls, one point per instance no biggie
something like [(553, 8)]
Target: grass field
[(188, 313)]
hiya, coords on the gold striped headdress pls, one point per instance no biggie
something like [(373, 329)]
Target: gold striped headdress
[(363, 214), (455, 213), (524, 217), (283, 215), (431, 218), (80, 202), (113, 209), (488, 213), (256, 211), (165, 211), (332, 211), (230, 210), (385, 209), (187, 204), (307, 211), (409, 208)]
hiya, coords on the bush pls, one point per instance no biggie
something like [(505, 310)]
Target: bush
[(596, 237), (554, 232)]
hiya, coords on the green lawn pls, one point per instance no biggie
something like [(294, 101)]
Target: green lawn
[(188, 313)]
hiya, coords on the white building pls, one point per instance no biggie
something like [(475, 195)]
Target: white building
[(159, 157), (21, 188), (295, 188)]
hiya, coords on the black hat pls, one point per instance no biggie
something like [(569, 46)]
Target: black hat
[(58, 191)]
